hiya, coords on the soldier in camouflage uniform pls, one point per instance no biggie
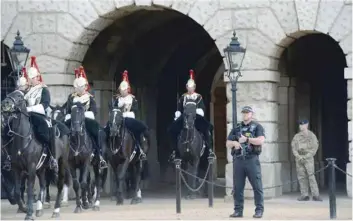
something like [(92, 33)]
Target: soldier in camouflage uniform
[(304, 147)]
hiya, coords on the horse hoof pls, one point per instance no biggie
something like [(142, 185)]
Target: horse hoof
[(29, 218), (136, 200), (119, 202), (46, 205), (55, 215), (22, 210), (86, 205), (78, 209), (96, 208), (39, 213), (64, 204)]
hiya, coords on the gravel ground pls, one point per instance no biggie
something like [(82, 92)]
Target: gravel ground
[(285, 207)]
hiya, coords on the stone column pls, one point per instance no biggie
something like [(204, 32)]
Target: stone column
[(258, 88), (283, 131), (348, 76)]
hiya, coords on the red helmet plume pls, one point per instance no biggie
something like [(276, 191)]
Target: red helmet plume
[(192, 74), (82, 73)]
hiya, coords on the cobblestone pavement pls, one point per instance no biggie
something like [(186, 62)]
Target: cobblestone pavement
[(285, 207)]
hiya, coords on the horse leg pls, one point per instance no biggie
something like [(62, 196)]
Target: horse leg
[(120, 179), (30, 185), (76, 186), (97, 178), (19, 201), (40, 200), (60, 185), (23, 180), (84, 184), (47, 195), (136, 176), (193, 180)]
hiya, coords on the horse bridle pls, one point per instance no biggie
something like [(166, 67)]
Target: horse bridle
[(112, 139), (79, 149)]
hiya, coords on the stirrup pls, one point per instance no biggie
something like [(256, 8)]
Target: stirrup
[(53, 165), (143, 156)]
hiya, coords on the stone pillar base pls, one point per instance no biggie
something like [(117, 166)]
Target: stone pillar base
[(349, 180)]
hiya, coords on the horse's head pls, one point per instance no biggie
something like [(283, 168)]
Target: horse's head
[(189, 115), (115, 121), (13, 104), (58, 113), (78, 118)]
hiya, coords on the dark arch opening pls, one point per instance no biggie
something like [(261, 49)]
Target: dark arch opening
[(158, 47), (317, 62)]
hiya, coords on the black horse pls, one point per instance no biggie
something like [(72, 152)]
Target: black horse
[(26, 154), (81, 149), (190, 145), (57, 114), (121, 157)]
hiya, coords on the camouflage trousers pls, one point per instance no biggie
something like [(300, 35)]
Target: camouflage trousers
[(304, 169)]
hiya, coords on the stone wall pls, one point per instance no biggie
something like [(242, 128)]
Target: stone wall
[(60, 32)]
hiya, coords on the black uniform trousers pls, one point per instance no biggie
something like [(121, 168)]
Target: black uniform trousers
[(201, 125), (247, 167), (93, 130), (136, 127), (40, 127)]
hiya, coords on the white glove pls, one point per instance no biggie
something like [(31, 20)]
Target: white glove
[(200, 112), (67, 117), (90, 115), (29, 109), (177, 114), (129, 114)]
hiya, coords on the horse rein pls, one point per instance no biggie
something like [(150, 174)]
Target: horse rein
[(115, 151)]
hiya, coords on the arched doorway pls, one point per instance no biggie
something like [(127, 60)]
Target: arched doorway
[(158, 47), (313, 86)]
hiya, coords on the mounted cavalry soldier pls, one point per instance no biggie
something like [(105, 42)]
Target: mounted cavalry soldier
[(38, 100), (128, 104), (82, 96), (201, 123)]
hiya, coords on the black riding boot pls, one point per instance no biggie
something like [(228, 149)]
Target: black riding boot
[(175, 153), (145, 137), (102, 163), (53, 164), (208, 141)]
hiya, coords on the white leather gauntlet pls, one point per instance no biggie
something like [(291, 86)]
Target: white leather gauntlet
[(200, 112), (129, 114)]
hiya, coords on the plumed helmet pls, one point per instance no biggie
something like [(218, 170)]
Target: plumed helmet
[(80, 78), (191, 81), (33, 71), (125, 84)]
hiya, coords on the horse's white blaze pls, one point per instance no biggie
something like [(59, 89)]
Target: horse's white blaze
[(57, 210), (97, 203), (138, 193), (115, 112), (39, 205), (66, 193)]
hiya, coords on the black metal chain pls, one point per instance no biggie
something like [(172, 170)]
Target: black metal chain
[(218, 185), (350, 175)]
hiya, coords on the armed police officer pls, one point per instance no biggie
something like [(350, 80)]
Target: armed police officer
[(304, 147), (246, 141), (201, 123), (82, 96)]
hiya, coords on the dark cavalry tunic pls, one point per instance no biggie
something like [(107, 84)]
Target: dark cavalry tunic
[(92, 126)]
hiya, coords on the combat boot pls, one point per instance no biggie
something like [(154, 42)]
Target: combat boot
[(236, 214), (303, 198)]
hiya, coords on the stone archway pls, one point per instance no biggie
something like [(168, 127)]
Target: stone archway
[(60, 32)]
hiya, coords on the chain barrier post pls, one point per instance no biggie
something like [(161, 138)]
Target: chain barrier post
[(332, 187), (178, 185), (210, 183)]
